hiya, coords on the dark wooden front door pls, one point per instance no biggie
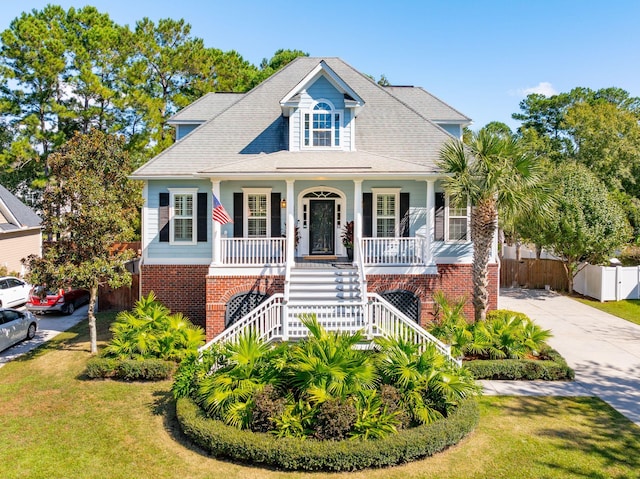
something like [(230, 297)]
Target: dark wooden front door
[(321, 227)]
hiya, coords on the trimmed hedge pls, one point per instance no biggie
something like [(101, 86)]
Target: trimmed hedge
[(312, 455), (130, 369), (553, 369)]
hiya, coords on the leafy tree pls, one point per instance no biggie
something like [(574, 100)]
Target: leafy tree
[(494, 174), (89, 204), (587, 224)]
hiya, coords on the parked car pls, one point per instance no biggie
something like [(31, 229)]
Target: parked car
[(15, 326), (13, 291), (43, 300)]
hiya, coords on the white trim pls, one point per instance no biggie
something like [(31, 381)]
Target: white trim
[(173, 192), (303, 246), (245, 206), (446, 222), (246, 270), (177, 261), (333, 111), (374, 206), (334, 79), (146, 241), (402, 270)]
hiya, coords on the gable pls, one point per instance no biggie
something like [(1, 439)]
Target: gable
[(258, 125)]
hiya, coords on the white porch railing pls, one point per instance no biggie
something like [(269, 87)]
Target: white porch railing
[(376, 318), (253, 251), (265, 321), (393, 250)]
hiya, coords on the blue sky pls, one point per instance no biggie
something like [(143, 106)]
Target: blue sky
[(481, 57)]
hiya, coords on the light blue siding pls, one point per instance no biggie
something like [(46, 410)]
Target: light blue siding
[(163, 251), (454, 130), (320, 89), (184, 130)]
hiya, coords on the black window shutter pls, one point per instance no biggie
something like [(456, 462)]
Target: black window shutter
[(404, 215), (202, 217), (439, 217), (163, 218), (275, 215), (238, 215), (367, 215)]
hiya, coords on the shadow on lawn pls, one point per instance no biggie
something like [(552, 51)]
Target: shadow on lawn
[(601, 432)]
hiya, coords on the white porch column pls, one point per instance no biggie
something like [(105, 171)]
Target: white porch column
[(291, 223), (216, 243), (357, 216), (431, 223)]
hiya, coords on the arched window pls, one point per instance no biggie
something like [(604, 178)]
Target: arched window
[(322, 126)]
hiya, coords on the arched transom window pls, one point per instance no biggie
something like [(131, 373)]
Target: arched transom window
[(322, 126)]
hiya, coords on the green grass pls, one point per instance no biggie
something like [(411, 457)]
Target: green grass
[(628, 309), (56, 424)]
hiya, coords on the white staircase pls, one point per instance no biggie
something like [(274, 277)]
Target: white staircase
[(324, 285)]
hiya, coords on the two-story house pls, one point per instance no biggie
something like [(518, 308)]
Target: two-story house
[(293, 162)]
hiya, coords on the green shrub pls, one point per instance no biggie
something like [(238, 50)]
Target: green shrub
[(267, 405), (551, 367), (304, 454), (99, 368), (129, 370), (395, 405), (151, 331), (334, 420)]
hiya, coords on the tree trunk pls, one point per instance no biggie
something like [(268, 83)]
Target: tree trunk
[(484, 220), (93, 334)]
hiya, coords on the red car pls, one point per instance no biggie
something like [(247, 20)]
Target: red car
[(64, 301)]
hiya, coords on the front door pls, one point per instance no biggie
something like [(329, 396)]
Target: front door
[(322, 227)]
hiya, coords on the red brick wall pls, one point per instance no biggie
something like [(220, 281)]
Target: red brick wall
[(181, 288), (221, 289), (188, 289), (455, 280)]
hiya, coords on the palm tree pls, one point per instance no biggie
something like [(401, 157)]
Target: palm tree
[(494, 174)]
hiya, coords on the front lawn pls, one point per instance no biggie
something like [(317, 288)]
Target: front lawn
[(56, 424), (628, 309)]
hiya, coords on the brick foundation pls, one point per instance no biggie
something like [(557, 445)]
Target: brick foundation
[(454, 280), (221, 289), (188, 289), (181, 288)]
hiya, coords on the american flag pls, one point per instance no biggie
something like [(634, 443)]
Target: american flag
[(219, 213)]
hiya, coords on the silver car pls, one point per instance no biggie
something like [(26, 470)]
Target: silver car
[(15, 326), (13, 291)]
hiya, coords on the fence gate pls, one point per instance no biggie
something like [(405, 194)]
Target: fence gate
[(533, 274)]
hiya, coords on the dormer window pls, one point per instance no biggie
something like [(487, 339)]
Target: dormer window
[(322, 126)]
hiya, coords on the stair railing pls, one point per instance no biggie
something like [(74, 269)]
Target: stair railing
[(265, 321), (388, 321)]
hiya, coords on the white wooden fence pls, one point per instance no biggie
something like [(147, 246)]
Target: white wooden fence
[(608, 283)]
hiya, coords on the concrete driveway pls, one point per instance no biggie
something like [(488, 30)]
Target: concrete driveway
[(49, 325), (604, 350)]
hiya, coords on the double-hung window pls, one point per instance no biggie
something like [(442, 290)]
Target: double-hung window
[(183, 209), (257, 207), (322, 126), (457, 219), (386, 212)]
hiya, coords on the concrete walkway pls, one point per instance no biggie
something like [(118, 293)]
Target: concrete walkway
[(49, 325), (604, 351)]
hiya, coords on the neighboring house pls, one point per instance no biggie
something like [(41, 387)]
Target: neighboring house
[(313, 147), (20, 234)]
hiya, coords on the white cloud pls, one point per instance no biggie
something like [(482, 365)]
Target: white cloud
[(543, 88)]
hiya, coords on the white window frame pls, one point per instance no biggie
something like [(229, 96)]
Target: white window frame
[(193, 192), (333, 112), (245, 204), (383, 192), (448, 216)]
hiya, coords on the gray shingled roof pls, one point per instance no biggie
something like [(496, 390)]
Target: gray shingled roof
[(12, 206), (206, 107), (385, 128), (427, 104)]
